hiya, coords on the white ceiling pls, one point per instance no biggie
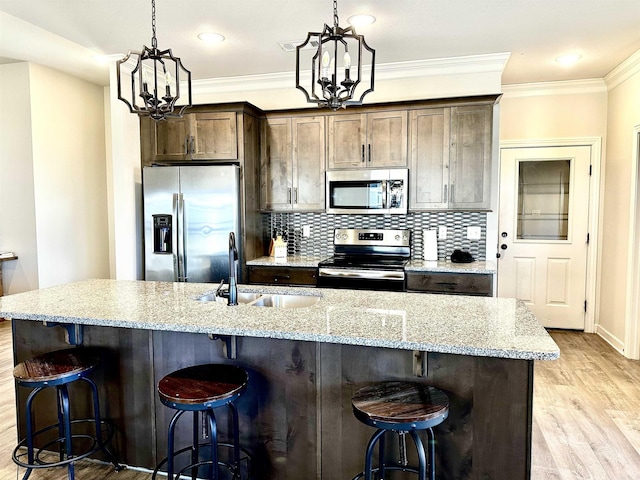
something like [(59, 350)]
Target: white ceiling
[(535, 32)]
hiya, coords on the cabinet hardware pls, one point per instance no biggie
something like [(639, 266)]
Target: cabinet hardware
[(295, 195), (369, 152), (451, 195), (445, 196), (363, 153), (186, 145), (289, 195), (193, 145)]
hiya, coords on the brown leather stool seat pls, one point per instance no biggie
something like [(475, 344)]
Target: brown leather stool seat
[(401, 407)]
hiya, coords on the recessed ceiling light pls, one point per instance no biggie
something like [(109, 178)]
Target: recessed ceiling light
[(210, 37), (361, 20), (568, 59)]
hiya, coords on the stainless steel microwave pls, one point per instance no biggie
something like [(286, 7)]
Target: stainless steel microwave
[(367, 191)]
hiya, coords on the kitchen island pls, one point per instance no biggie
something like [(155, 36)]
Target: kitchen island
[(304, 366)]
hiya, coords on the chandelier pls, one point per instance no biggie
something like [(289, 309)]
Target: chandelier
[(155, 80), (331, 86)]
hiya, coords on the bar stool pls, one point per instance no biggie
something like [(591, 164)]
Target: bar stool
[(58, 369), (401, 407), (202, 388)]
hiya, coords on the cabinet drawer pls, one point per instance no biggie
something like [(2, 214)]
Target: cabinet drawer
[(283, 275), (452, 283)]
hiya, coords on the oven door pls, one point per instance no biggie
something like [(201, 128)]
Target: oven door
[(361, 279)]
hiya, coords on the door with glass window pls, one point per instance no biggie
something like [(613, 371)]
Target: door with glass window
[(544, 202)]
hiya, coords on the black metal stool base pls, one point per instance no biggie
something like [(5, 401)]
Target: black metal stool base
[(232, 469)]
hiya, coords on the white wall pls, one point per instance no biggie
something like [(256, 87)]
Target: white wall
[(17, 203), (59, 170), (623, 116)]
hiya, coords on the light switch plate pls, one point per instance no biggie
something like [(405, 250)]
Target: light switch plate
[(474, 233), (442, 232)]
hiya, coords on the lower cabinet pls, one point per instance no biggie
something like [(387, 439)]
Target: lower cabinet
[(283, 275), (479, 284)]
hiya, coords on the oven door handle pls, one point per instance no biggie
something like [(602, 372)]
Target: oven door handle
[(364, 274)]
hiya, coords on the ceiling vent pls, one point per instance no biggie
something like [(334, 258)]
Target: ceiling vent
[(291, 45)]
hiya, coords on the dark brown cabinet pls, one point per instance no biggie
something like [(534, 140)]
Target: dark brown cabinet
[(479, 284), (368, 140), (196, 136), (283, 275), (293, 163), (450, 157)]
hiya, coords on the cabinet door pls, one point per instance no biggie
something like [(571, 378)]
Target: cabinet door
[(308, 163), (386, 139), (429, 159), (170, 139), (275, 165), (347, 137), (214, 136), (470, 159)]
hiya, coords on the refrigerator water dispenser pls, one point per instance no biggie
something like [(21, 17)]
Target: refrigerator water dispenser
[(162, 234)]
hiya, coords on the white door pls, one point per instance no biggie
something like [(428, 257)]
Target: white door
[(543, 221)]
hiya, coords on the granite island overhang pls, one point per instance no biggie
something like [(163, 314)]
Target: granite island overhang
[(306, 363)]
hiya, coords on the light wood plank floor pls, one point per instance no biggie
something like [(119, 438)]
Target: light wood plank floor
[(586, 422)]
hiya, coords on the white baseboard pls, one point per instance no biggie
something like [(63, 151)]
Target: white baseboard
[(611, 339)]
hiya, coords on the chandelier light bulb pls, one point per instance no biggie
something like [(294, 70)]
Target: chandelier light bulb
[(347, 60)]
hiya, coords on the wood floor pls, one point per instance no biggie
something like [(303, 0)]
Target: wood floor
[(586, 421)]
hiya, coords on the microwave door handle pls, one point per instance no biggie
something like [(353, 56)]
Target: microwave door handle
[(386, 188)]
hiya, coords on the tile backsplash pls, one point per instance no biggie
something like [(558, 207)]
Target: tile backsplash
[(321, 226)]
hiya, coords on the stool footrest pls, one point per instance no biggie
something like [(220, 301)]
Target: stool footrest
[(95, 447), (246, 458), (397, 468)]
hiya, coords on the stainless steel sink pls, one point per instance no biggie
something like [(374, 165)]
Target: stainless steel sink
[(286, 301), (243, 297), (266, 299)]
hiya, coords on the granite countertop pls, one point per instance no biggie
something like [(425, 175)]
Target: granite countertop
[(476, 326), (412, 266), (290, 261), (442, 266)]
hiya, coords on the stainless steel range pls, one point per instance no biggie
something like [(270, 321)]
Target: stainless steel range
[(369, 259)]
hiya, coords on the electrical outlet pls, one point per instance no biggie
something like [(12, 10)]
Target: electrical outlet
[(474, 233), (442, 232), (306, 230)]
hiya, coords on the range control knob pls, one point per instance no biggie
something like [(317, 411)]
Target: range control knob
[(397, 237)]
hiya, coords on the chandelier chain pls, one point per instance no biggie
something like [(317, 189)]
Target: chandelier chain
[(335, 13), (154, 42)]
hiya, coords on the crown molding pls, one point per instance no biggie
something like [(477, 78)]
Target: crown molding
[(569, 87), (622, 72), (454, 66)]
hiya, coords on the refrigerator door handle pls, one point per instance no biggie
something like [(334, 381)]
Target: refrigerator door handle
[(182, 253), (179, 210)]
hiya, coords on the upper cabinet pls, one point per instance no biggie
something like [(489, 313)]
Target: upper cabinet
[(196, 136), (451, 157), (293, 163), (368, 140)]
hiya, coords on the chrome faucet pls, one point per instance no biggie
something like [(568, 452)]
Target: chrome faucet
[(233, 270)]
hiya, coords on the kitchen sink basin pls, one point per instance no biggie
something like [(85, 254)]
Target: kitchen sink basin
[(243, 297), (286, 301), (266, 299)]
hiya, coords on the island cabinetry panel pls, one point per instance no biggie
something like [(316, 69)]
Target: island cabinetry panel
[(196, 136), (451, 157), (479, 284), (293, 163), (283, 275), (368, 140)]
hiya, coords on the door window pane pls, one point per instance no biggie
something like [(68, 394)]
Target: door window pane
[(543, 199)]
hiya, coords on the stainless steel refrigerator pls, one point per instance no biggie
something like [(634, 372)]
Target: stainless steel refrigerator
[(188, 214)]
